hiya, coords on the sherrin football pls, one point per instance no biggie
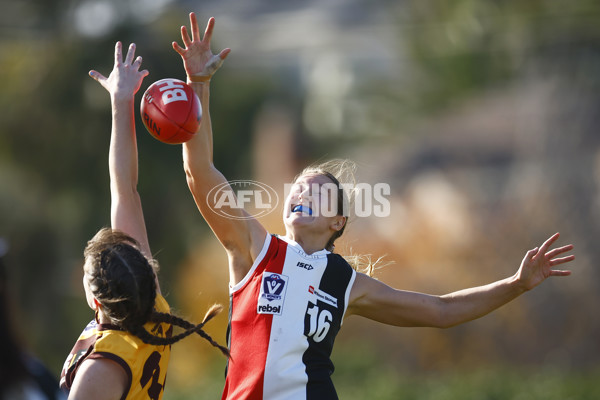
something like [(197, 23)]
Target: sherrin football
[(171, 111)]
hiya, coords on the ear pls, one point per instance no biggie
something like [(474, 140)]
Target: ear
[(338, 223), (97, 305)]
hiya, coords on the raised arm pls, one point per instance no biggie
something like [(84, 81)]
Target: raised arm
[(375, 300), (103, 379), (122, 84), (241, 236)]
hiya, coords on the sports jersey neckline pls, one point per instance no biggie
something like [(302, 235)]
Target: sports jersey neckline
[(298, 249), (108, 327)]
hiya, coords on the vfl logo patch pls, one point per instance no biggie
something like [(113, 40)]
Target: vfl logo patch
[(272, 293), (324, 297), (272, 286)]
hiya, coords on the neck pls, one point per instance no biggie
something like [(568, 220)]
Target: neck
[(102, 318), (309, 244)]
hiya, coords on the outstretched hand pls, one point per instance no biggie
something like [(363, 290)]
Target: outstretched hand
[(126, 78), (539, 262), (198, 59)]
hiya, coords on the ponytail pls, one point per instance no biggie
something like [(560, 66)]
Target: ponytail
[(188, 327)]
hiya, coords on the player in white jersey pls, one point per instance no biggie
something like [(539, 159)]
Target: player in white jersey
[(287, 357), (290, 294)]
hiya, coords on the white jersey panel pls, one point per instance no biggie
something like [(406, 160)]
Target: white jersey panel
[(285, 373)]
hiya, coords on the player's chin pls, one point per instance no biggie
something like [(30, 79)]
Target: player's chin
[(299, 219)]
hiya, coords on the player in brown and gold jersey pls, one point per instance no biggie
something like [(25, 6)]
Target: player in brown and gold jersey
[(125, 351)]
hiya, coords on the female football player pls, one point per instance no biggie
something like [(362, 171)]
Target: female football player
[(289, 294), (125, 351)]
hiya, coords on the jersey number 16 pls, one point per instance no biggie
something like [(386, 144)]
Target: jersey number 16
[(317, 323)]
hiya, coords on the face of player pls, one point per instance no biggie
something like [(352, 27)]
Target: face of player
[(311, 206)]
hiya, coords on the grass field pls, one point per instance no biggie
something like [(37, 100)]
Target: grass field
[(487, 384), (359, 380)]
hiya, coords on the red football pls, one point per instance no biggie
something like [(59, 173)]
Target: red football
[(171, 111)]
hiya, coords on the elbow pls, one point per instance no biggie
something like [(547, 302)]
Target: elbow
[(124, 190), (443, 316), (195, 168), (446, 325), (189, 175), (451, 313), (192, 172), (188, 168), (442, 323)]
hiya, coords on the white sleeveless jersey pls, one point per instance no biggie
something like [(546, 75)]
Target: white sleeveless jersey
[(284, 317)]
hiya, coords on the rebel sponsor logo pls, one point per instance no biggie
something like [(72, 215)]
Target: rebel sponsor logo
[(272, 293), (324, 297), (268, 309)]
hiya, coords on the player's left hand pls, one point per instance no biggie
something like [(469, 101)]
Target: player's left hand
[(198, 59), (538, 263)]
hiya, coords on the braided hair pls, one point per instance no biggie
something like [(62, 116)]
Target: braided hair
[(123, 281)]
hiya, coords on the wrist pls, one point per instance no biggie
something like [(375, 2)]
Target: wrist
[(198, 78), (122, 101), (518, 283)]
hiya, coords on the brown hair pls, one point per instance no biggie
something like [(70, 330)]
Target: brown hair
[(336, 170), (123, 281)]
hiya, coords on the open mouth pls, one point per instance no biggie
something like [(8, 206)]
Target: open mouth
[(302, 209)]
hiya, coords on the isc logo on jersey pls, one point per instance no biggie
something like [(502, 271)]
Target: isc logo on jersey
[(272, 293)]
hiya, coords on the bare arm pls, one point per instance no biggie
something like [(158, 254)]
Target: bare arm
[(122, 84), (375, 300), (99, 379), (241, 236)]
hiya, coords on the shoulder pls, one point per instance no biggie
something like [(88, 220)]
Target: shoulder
[(100, 379), (271, 246), (338, 259), (161, 304), (338, 262), (362, 289), (338, 277), (117, 345)]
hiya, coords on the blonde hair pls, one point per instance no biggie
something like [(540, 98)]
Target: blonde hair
[(364, 263), (342, 173)]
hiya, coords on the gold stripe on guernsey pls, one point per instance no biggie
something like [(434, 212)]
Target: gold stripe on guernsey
[(147, 363), (144, 364)]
